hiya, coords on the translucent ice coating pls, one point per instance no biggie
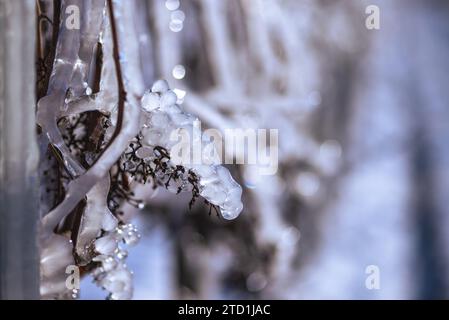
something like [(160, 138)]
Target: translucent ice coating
[(115, 278), (113, 274), (219, 188), (164, 118)]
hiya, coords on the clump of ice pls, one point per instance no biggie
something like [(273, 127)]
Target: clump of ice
[(220, 189), (164, 117), (112, 274)]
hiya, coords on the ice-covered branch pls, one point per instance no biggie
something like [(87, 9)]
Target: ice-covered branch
[(127, 123), (68, 66)]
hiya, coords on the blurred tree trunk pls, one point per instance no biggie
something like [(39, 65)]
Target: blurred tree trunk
[(19, 269)]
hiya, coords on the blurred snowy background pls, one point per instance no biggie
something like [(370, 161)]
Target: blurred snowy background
[(363, 149)]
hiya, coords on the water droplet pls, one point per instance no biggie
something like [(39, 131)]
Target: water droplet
[(179, 72), (122, 254), (109, 264), (172, 4), (178, 16), (176, 26)]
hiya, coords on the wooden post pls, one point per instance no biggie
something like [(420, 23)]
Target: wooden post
[(19, 256)]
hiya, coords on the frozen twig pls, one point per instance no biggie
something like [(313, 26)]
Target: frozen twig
[(127, 127)]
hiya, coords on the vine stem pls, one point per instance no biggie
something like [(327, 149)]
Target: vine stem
[(118, 70), (125, 130)]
